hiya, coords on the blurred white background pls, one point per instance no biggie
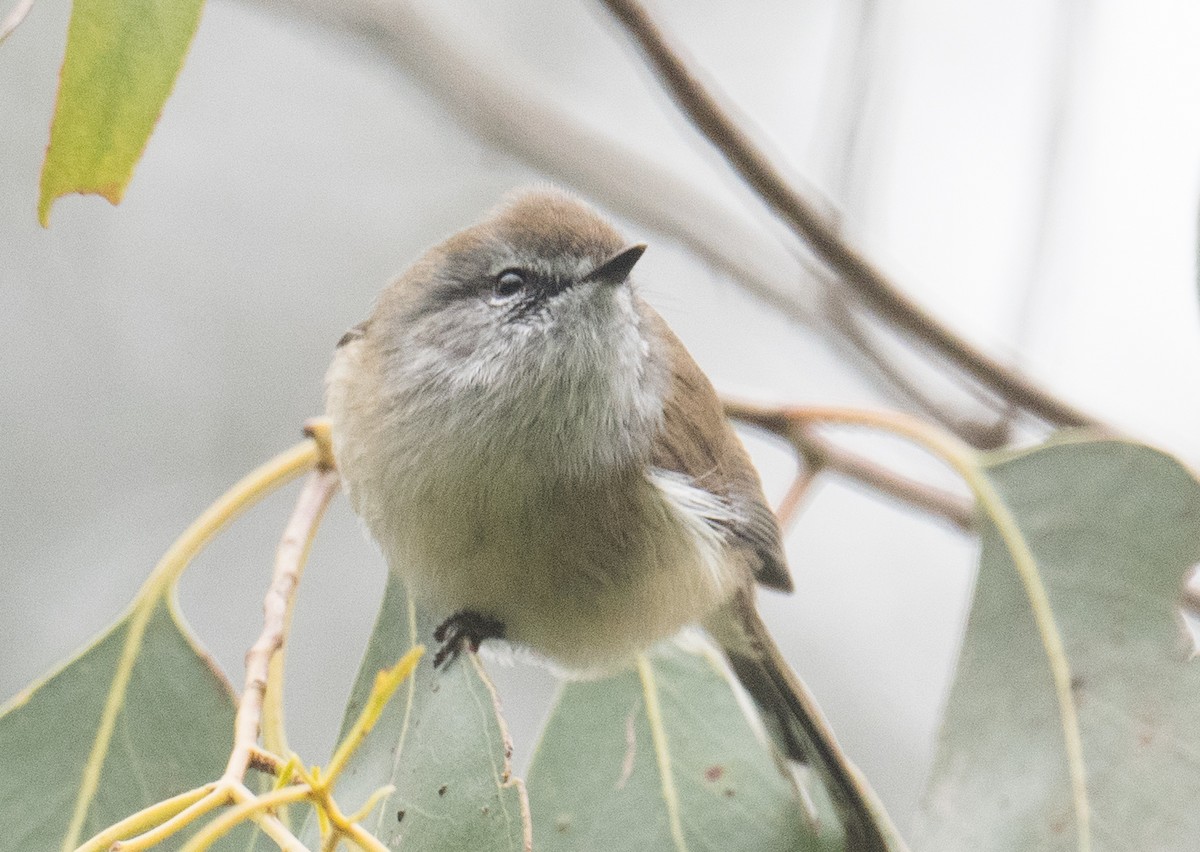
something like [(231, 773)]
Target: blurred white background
[(1027, 170)]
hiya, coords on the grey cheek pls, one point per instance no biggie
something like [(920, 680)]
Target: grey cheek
[(456, 344)]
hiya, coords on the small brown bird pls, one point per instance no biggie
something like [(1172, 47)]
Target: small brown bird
[(540, 459)]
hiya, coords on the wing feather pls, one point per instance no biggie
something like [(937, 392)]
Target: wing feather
[(697, 442)]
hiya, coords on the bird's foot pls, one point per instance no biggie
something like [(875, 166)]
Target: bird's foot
[(465, 629)]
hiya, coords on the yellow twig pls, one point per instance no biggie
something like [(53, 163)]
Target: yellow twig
[(320, 429), (372, 800), (147, 818), (387, 682), (317, 786), (162, 820), (270, 824), (364, 839), (219, 797), (238, 814), (337, 825)]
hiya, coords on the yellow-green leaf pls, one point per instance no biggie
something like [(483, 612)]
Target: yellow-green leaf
[(121, 62), (439, 743)]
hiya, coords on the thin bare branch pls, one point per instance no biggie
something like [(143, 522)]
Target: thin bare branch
[(318, 490), (514, 113), (820, 453), (788, 509), (857, 272), (936, 501)]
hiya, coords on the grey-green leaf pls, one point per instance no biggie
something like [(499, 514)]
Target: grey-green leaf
[(440, 741), (1114, 526), (173, 732), (665, 758)]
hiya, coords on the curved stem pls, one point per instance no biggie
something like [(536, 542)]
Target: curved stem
[(157, 814), (235, 816), (156, 835), (387, 681)]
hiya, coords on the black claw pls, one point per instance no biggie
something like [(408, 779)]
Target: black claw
[(464, 629)]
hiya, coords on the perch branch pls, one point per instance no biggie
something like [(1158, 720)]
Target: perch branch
[(293, 550)]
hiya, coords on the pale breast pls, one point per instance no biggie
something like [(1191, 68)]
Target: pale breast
[(582, 575)]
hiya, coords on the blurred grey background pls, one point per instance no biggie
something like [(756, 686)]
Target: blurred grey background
[(1028, 171)]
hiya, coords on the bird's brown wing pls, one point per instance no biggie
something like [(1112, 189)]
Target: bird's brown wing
[(698, 442)]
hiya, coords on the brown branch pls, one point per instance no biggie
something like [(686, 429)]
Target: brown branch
[(820, 453), (927, 498), (318, 490), (268, 763), (858, 273), (788, 509)]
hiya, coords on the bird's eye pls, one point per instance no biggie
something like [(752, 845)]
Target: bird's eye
[(509, 283)]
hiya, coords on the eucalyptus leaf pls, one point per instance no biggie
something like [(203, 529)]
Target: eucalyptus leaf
[(172, 731), (121, 62), (1113, 526), (440, 741), (668, 756)]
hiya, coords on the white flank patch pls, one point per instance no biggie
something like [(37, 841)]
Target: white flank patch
[(701, 513)]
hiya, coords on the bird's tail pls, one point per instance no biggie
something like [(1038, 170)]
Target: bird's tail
[(796, 725)]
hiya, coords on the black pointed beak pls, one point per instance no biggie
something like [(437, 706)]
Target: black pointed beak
[(616, 269)]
